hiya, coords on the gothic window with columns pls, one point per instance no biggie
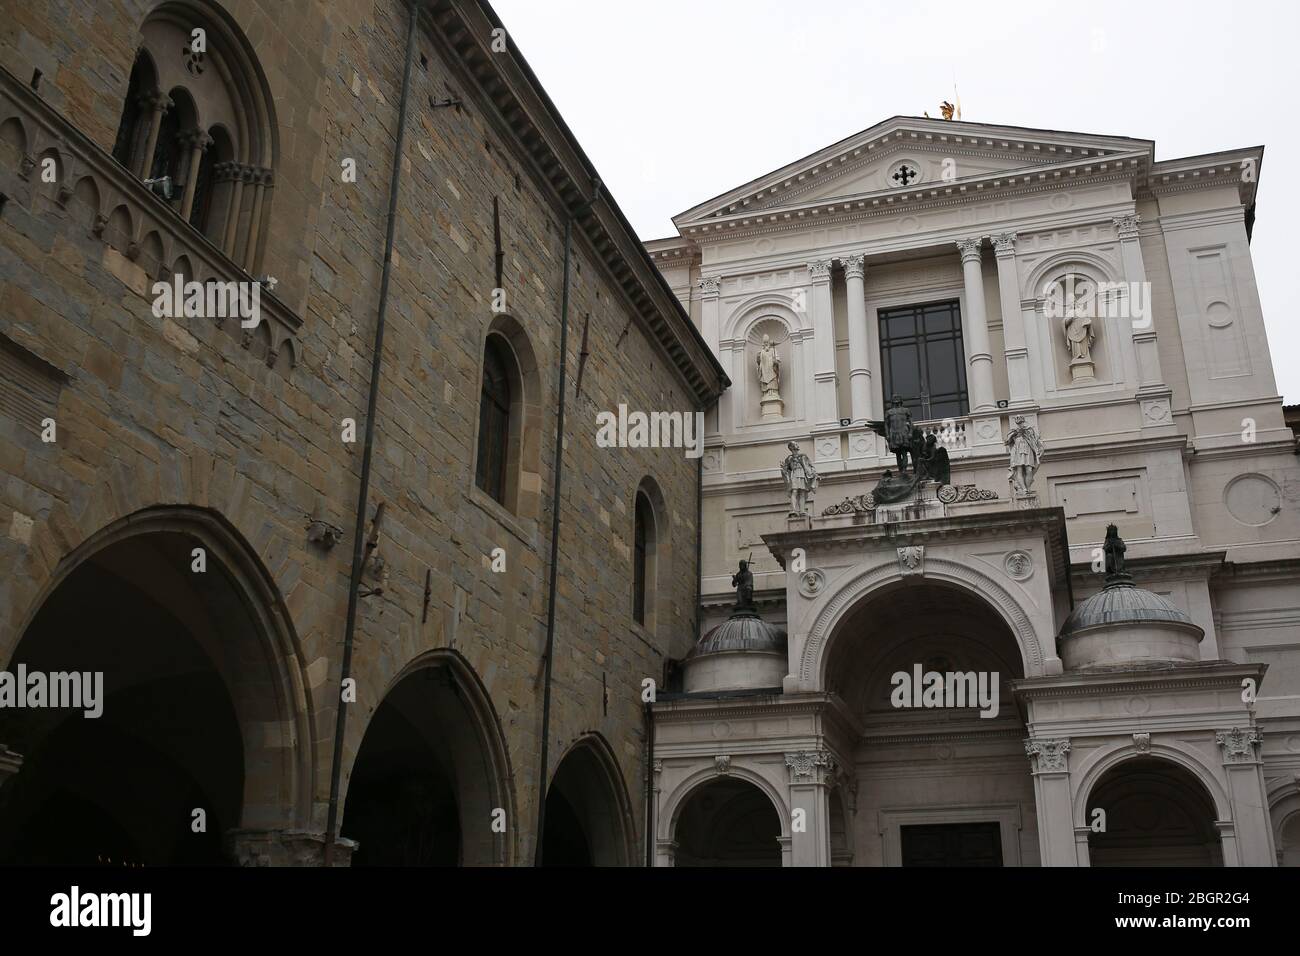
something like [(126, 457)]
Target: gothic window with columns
[(198, 119)]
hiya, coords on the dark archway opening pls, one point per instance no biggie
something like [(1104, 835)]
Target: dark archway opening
[(423, 791), (728, 822), (123, 788), (1156, 813), (585, 818)]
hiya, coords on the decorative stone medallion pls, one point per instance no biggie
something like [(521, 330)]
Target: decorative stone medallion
[(1142, 742), (1253, 500), (812, 582), (1019, 566)]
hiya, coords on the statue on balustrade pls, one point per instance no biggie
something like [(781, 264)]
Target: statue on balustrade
[(896, 429)]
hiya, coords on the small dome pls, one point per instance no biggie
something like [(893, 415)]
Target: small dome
[(740, 632), (1119, 604)]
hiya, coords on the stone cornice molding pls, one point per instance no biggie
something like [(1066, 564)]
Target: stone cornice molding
[(1162, 679), (904, 134), (927, 196)]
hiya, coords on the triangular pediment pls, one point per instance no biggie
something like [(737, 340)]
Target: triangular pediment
[(909, 151)]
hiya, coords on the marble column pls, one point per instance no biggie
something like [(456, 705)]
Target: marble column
[(157, 105), (1049, 759), (197, 142), (823, 323), (812, 773), (1247, 797), (1015, 348), (976, 329), (859, 364)]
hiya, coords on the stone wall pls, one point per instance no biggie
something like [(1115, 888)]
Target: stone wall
[(186, 412)]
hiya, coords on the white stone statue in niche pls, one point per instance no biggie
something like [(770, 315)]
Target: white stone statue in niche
[(1079, 307), (769, 380)]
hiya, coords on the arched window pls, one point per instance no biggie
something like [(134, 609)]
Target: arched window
[(494, 420), (645, 540), (213, 132)]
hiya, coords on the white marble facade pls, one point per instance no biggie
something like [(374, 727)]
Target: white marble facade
[(1166, 422)]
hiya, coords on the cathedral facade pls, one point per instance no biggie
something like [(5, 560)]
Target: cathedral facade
[(1031, 598)]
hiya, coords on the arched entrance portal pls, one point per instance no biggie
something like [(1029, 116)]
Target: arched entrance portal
[(940, 765), (429, 784), (1156, 813), (728, 822), (588, 820), (199, 711)]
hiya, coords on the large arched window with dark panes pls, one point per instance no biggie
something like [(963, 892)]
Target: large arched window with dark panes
[(494, 420), (643, 560), (923, 359)]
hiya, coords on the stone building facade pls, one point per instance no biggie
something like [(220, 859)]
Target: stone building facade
[(181, 491), (993, 278)]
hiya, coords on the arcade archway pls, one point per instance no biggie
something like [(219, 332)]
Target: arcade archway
[(1155, 813), (199, 706), (924, 666), (728, 822), (588, 819), (430, 783)]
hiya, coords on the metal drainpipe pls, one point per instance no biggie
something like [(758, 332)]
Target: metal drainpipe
[(363, 495), (558, 472)]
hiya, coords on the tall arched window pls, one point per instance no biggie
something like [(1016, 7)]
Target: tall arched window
[(644, 561), (214, 130), (495, 399)]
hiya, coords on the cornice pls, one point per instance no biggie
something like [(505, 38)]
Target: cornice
[(888, 202), (898, 133), (1206, 674), (522, 111)]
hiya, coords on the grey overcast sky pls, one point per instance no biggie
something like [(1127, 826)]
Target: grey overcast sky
[(676, 101)]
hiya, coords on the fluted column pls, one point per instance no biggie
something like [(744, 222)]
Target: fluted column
[(1015, 349), (859, 365), (976, 331)]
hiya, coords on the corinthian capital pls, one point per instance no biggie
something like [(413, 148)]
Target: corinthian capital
[(854, 265), (810, 766), (710, 285), (1127, 226), (820, 270), (1238, 744), (1005, 244), (970, 249), (1048, 755)]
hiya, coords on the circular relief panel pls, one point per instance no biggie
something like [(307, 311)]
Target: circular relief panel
[(905, 172), (811, 582), (1253, 499), (1019, 565)]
